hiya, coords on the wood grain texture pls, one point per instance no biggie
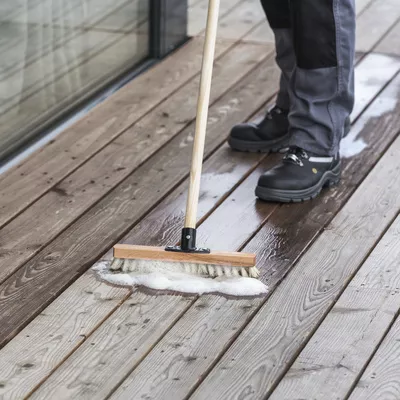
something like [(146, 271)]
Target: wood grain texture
[(391, 44), (118, 344), (369, 32), (223, 233), (197, 15), (116, 213), (203, 103), (341, 347), (24, 237), (166, 232), (381, 380), (56, 332), (286, 224), (222, 173), (44, 169), (268, 344), (241, 18)]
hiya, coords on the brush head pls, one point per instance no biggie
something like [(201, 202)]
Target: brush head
[(210, 270), (147, 259)]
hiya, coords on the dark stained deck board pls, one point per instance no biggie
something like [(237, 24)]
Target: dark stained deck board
[(27, 182), (234, 17), (76, 364), (17, 381), (22, 238), (340, 349), (35, 176), (66, 258), (224, 314), (268, 345), (95, 364), (55, 333), (381, 380), (283, 215)]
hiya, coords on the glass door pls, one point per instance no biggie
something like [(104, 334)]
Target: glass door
[(55, 54)]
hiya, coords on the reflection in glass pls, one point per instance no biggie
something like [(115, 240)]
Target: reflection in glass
[(54, 52)]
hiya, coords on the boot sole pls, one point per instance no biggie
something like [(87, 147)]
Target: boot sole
[(329, 179), (260, 147)]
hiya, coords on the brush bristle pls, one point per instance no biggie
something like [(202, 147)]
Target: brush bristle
[(211, 270)]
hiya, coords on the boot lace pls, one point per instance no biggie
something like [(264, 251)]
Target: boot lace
[(295, 155)]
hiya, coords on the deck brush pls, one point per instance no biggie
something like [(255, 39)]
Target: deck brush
[(146, 259), (187, 258)]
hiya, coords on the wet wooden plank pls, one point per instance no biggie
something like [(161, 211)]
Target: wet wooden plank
[(262, 33), (241, 17), (278, 245), (54, 334), (381, 380), (169, 214), (342, 346), (373, 73), (120, 210), (391, 44), (223, 214), (219, 231), (22, 238), (370, 33), (197, 15), (45, 168), (361, 5), (269, 343)]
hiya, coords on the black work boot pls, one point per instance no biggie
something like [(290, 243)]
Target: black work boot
[(269, 135), (300, 176)]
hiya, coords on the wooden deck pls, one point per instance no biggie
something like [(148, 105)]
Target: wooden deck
[(329, 327)]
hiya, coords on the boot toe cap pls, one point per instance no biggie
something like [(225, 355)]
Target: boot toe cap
[(247, 132)]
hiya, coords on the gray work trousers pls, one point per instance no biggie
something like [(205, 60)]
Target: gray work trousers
[(315, 50)]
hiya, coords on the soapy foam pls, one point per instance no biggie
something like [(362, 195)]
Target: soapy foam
[(182, 283)]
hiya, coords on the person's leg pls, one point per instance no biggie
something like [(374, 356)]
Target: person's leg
[(321, 94), (280, 21), (322, 84), (271, 134)]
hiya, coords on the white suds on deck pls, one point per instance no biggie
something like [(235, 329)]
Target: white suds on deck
[(182, 283)]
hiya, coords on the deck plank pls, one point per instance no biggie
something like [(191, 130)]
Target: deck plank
[(381, 380), (22, 238), (192, 346), (341, 347), (170, 212), (267, 346), (120, 210), (25, 362), (391, 44), (44, 169), (373, 73), (286, 223), (369, 32), (148, 234), (241, 16), (85, 364)]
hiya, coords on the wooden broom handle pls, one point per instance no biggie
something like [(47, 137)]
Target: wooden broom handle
[(202, 113)]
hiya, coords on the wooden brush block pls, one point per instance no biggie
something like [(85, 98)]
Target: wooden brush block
[(160, 254)]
